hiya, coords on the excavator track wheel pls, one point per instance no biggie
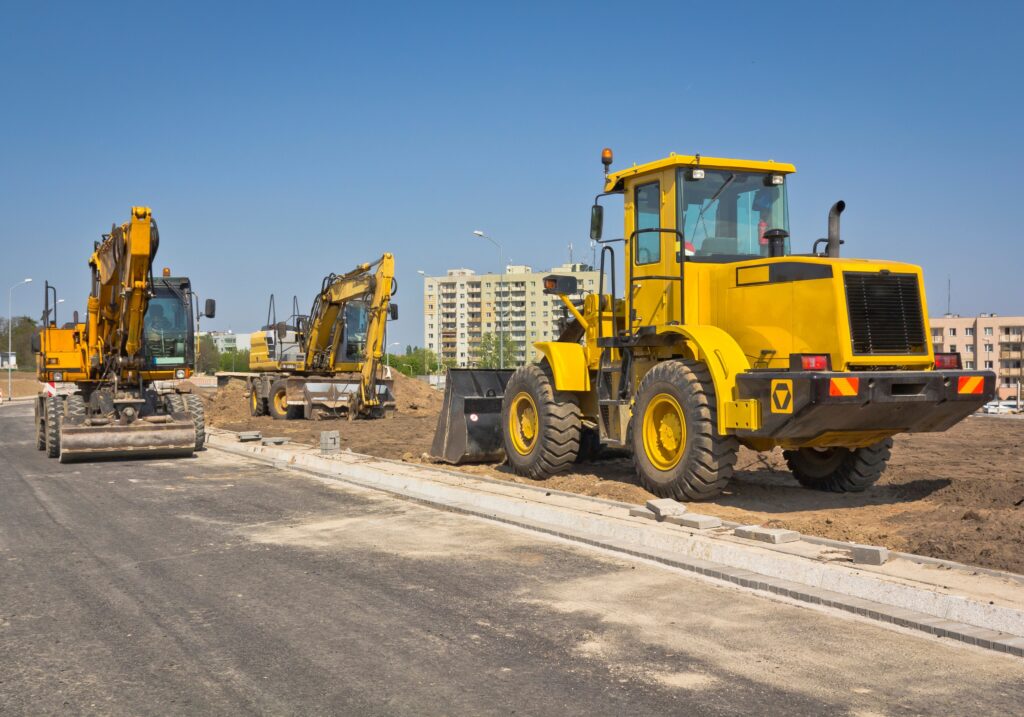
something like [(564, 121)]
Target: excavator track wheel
[(197, 412), (541, 427), (677, 451), (839, 470), (54, 408)]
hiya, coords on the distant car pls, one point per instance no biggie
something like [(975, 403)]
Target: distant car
[(999, 407)]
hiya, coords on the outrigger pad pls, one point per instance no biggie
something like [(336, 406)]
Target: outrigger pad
[(469, 427)]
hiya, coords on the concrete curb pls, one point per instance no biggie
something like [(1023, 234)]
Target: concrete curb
[(787, 569)]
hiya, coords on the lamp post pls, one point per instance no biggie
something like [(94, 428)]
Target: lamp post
[(10, 331), (387, 354), (501, 282)]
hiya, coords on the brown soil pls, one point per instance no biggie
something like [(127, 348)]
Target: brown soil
[(23, 383), (957, 495)]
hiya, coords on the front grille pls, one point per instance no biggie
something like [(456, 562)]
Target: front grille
[(885, 313)]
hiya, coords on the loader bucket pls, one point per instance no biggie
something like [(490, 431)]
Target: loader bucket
[(144, 438), (469, 427)]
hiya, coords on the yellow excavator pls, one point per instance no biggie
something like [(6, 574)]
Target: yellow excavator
[(329, 361), (722, 337), (137, 340)]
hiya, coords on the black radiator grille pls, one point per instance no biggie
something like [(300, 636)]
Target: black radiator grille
[(885, 313)]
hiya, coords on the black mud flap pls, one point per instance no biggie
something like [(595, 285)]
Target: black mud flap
[(469, 427)]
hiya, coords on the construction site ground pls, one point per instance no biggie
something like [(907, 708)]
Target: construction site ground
[(957, 495)]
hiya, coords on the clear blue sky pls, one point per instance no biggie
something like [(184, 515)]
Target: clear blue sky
[(277, 143)]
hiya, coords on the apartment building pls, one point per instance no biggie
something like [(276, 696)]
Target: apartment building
[(227, 341), (462, 306), (986, 341)]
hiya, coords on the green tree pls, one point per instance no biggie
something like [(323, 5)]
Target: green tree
[(234, 360), (487, 354), (21, 340), (414, 361), (208, 360)]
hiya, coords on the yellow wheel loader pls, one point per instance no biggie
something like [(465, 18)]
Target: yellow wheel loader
[(137, 340), (329, 361), (723, 337)]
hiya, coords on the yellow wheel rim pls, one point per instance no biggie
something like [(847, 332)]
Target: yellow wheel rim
[(255, 405), (281, 401), (523, 423), (664, 432)]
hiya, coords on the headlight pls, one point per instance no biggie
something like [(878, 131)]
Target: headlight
[(180, 373), (58, 375)]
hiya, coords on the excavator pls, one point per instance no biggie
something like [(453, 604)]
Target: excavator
[(137, 340), (327, 362)]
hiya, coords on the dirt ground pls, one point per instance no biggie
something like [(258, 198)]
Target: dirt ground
[(957, 495), (23, 383)]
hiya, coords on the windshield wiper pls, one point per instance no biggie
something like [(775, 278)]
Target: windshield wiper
[(714, 198)]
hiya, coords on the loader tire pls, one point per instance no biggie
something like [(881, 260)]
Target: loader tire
[(540, 426), (74, 409), (277, 403), (197, 412), (54, 408), (839, 470), (677, 450)]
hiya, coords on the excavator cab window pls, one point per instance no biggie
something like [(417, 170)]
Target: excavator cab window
[(167, 329), (727, 213), (356, 325)]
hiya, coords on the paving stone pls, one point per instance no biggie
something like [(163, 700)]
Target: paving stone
[(695, 520), (869, 554), (665, 507), (1012, 645), (330, 442), (245, 436), (275, 441), (639, 511), (766, 535)]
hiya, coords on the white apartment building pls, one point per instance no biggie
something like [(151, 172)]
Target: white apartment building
[(986, 341), (462, 306), (228, 340)]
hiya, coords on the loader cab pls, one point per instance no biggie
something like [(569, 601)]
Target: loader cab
[(685, 211)]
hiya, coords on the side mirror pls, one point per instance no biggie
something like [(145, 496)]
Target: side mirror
[(393, 311), (210, 310), (37, 345), (560, 285), (596, 221)]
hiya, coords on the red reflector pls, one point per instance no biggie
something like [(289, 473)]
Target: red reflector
[(970, 384), (947, 361), (844, 386), (814, 363)]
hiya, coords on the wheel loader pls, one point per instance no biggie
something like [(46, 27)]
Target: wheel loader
[(138, 339), (722, 337), (329, 361)]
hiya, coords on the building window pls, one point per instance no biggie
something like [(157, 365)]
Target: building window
[(988, 347), (952, 332), (969, 331), (988, 364), (988, 330), (970, 348), (952, 347), (969, 364)]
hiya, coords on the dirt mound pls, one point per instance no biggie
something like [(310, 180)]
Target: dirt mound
[(227, 404), (411, 394)]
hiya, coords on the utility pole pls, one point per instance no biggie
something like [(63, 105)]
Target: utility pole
[(501, 283)]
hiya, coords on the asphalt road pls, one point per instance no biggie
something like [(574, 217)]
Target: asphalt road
[(218, 586)]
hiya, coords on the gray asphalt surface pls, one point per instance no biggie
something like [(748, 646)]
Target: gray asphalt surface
[(214, 585)]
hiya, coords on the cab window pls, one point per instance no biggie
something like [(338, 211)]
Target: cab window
[(647, 204)]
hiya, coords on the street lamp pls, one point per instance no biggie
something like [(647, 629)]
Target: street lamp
[(501, 282), (387, 354), (437, 323), (10, 331)]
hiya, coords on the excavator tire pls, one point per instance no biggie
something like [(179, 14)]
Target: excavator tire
[(197, 412), (175, 403), (839, 470), (257, 406), (540, 426), (40, 426), (74, 408), (677, 450), (53, 408), (277, 403)]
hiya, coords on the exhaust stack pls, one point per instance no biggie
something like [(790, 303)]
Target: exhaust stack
[(832, 249)]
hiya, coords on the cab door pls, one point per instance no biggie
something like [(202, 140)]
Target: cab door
[(652, 245)]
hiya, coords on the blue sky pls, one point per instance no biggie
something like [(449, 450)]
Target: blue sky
[(276, 143)]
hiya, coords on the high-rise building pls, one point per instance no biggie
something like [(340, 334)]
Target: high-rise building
[(462, 306), (986, 341)]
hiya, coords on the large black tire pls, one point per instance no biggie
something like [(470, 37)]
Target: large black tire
[(540, 426), (74, 409), (54, 408), (839, 470), (277, 404), (175, 403), (257, 405), (197, 412), (677, 450), (40, 418)]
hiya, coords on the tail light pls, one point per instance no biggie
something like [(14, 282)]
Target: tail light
[(948, 361), (810, 362)]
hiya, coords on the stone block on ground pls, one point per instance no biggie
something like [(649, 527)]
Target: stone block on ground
[(245, 436), (664, 507), (695, 520), (766, 535), (639, 511), (275, 441), (869, 554), (330, 442)]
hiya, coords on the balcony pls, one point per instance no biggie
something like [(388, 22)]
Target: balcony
[(1011, 354)]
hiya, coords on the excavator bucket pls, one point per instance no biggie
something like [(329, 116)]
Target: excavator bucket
[(469, 427), (151, 437)]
